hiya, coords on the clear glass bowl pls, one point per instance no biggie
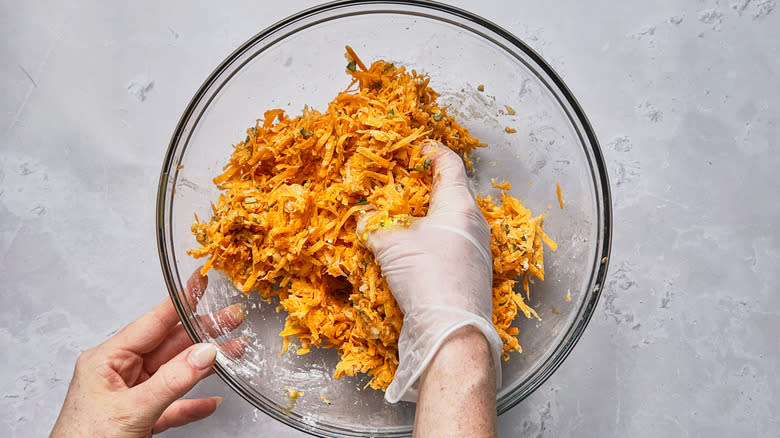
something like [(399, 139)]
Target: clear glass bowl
[(300, 61)]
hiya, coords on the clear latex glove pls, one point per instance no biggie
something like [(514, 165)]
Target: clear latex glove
[(440, 272)]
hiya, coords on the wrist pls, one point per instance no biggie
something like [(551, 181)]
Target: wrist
[(447, 334), (458, 389), (464, 353)]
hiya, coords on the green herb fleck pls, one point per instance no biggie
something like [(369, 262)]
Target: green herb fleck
[(352, 65), (256, 220), (391, 112), (427, 163), (258, 187), (363, 201), (254, 130), (376, 85), (306, 133), (457, 136), (247, 139), (524, 238), (506, 228), (388, 67), (250, 200), (437, 117)]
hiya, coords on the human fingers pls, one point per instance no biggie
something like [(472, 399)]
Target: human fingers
[(234, 348), (195, 288), (450, 185), (186, 411), (172, 380), (147, 332), (223, 321), (216, 324)]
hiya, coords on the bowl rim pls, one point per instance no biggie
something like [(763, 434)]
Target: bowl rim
[(598, 173)]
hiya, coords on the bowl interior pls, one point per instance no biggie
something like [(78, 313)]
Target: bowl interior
[(301, 62)]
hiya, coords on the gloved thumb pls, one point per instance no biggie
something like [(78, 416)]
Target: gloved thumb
[(450, 184)]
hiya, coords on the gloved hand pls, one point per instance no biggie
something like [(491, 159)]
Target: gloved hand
[(440, 272)]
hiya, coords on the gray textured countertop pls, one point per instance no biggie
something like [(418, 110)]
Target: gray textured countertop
[(682, 95)]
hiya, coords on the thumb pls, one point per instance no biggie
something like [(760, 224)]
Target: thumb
[(376, 240), (450, 184), (174, 379)]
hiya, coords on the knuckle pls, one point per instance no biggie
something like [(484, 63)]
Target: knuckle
[(173, 382), (158, 322), (170, 382), (85, 358)]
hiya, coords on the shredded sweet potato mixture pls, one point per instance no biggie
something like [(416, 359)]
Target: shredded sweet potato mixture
[(285, 223)]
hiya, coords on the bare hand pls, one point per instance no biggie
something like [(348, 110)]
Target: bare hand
[(130, 385)]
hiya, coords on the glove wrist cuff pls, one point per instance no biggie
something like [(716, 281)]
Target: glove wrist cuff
[(422, 336)]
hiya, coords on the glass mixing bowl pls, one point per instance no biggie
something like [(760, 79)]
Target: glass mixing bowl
[(300, 61)]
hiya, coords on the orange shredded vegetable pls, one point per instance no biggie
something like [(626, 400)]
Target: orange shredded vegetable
[(503, 186), (285, 222), (560, 196)]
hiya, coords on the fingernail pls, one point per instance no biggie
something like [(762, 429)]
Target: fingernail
[(237, 311), (244, 341), (198, 286), (202, 356), (217, 399)]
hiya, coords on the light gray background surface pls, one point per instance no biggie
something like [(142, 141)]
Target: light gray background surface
[(682, 95)]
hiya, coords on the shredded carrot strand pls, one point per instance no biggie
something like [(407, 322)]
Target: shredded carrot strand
[(560, 196)]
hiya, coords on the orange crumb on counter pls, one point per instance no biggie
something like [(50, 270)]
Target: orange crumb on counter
[(560, 198)]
